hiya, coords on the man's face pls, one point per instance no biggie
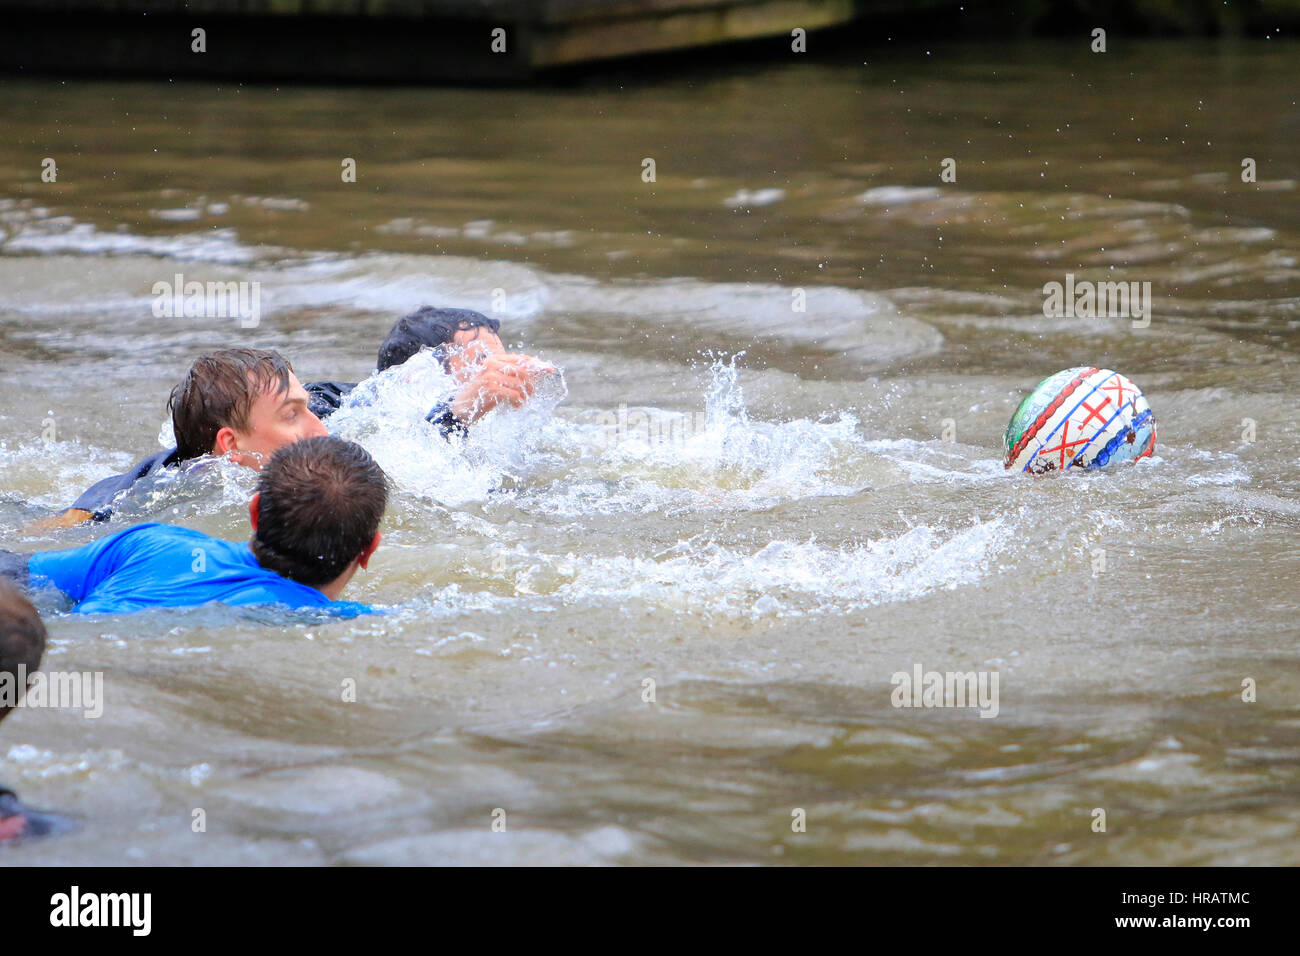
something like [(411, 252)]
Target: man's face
[(468, 349), (276, 419)]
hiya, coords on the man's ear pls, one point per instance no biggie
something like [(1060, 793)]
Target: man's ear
[(226, 440), (363, 559), (254, 509)]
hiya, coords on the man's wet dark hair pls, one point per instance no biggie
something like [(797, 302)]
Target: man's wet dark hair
[(219, 391), (320, 506), (428, 327), (22, 639)]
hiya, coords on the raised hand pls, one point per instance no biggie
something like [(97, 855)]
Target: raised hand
[(499, 379)]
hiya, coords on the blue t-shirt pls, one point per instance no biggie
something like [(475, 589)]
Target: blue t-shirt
[(161, 565)]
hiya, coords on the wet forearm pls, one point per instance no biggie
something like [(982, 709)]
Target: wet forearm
[(70, 518)]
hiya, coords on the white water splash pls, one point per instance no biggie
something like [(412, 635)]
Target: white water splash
[(386, 415), (783, 578)]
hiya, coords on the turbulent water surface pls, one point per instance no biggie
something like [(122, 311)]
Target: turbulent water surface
[(766, 512)]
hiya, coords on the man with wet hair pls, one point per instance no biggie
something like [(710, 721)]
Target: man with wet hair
[(432, 328), (316, 514), (246, 403), (242, 404), (315, 521), (468, 344), (22, 642)]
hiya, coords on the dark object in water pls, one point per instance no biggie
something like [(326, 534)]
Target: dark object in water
[(19, 822)]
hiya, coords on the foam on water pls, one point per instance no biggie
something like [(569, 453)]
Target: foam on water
[(386, 414), (719, 449), (395, 284), (597, 461), (856, 325), (29, 229), (783, 578), (852, 323), (205, 486), (534, 461), (46, 473), (784, 574)]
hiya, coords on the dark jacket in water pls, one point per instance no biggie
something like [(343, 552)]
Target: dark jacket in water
[(323, 399)]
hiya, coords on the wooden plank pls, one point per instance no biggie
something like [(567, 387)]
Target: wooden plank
[(412, 40), (586, 41)]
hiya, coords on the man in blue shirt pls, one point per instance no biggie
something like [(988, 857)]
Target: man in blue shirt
[(315, 522)]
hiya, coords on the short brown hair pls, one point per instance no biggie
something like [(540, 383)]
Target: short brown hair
[(219, 391), (22, 638), (321, 503)]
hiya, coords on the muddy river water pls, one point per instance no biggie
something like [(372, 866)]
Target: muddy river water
[(764, 512)]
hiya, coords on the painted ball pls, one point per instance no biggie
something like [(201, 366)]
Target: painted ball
[(1080, 418)]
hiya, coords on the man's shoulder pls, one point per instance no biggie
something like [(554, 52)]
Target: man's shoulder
[(99, 498), (167, 458), (156, 535), (158, 529)]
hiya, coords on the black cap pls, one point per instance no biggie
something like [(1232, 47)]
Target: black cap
[(431, 328)]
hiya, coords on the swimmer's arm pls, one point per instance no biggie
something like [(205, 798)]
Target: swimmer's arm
[(68, 519)]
